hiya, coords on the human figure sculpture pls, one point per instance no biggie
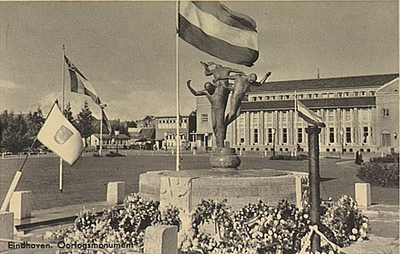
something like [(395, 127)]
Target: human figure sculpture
[(241, 86), (218, 97), (217, 92)]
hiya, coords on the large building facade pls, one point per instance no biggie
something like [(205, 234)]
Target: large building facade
[(361, 114)]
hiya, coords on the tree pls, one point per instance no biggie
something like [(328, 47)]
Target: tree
[(68, 114), (15, 135), (35, 121), (85, 121)]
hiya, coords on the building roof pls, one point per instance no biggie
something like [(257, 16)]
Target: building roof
[(144, 133), (105, 136), (352, 102), (325, 83)]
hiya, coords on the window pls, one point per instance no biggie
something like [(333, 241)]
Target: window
[(300, 96), (331, 135), (355, 94), (315, 95), (363, 93), (309, 96), (254, 98), (331, 115), (284, 135), (273, 97), (270, 138), (256, 136), (347, 115), (299, 135), (324, 95), (346, 94), (348, 134), (331, 95), (371, 93), (284, 116), (260, 98), (204, 118), (365, 134), (267, 98), (339, 94), (386, 140), (385, 112), (287, 97)]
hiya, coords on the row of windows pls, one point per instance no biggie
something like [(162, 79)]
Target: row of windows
[(313, 95), (344, 136), (171, 121)]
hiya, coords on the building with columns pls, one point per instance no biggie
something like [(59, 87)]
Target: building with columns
[(360, 113)]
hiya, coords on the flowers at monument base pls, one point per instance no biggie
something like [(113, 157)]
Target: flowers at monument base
[(216, 228)]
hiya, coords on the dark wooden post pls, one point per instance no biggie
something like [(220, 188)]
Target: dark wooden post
[(313, 164)]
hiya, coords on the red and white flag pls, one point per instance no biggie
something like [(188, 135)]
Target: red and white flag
[(219, 31), (79, 83), (60, 136), (308, 115)]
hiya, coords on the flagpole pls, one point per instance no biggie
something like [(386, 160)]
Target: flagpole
[(177, 88), (15, 181), (295, 122), (60, 184), (101, 131)]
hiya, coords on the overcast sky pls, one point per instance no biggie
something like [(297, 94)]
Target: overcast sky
[(127, 50)]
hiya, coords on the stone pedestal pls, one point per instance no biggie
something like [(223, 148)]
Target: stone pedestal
[(225, 158), (21, 204), (363, 194), (6, 229), (161, 239), (186, 188), (116, 192)]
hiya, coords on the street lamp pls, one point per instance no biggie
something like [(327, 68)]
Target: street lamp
[(166, 144), (116, 138), (205, 140), (273, 141)]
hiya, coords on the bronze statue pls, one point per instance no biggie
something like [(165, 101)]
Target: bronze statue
[(218, 92), (241, 86)]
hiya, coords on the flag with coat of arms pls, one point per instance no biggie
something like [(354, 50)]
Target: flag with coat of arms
[(60, 136)]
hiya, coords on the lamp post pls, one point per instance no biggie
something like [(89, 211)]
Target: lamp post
[(273, 141), (205, 140), (166, 144), (116, 138), (342, 139)]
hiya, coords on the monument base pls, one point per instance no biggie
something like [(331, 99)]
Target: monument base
[(186, 188), (225, 158)]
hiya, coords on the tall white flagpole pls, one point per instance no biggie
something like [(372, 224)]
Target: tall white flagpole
[(101, 131), (177, 88), (60, 184), (295, 122)]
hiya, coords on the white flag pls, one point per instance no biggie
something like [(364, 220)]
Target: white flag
[(60, 136)]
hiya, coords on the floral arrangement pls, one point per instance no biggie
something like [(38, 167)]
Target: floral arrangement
[(215, 228)]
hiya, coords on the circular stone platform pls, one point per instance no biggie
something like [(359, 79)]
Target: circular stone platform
[(186, 188)]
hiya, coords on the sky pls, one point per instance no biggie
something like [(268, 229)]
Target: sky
[(127, 50)]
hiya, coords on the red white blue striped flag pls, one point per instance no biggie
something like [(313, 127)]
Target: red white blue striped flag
[(219, 31), (80, 84)]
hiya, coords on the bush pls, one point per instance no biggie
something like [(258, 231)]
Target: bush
[(380, 174), (394, 158), (289, 157)]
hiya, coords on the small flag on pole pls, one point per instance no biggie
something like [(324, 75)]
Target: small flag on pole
[(218, 31), (60, 136), (79, 83), (308, 115)]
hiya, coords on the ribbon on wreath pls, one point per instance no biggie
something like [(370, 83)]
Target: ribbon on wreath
[(307, 242)]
